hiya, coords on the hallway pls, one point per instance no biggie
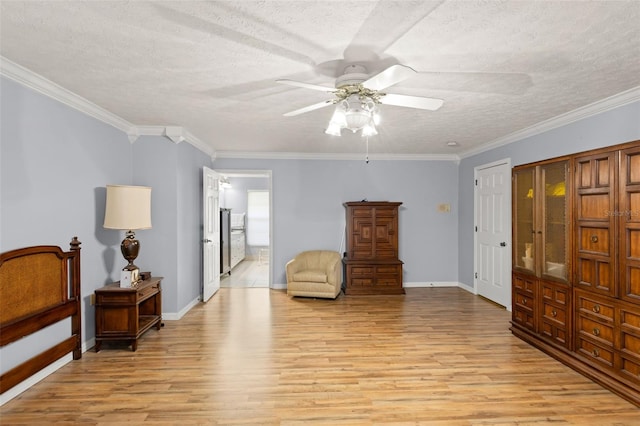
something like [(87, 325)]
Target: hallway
[(248, 273)]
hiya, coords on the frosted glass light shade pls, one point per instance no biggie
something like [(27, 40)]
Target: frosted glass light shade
[(128, 207)]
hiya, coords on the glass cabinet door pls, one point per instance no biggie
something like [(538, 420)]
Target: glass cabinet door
[(555, 232), (523, 219)]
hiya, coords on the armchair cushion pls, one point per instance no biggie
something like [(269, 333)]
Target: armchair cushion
[(311, 276), (315, 273)]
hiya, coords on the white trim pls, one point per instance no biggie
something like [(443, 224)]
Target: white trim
[(431, 284), (35, 378), (48, 88), (175, 316), (612, 102), (278, 287), (334, 156)]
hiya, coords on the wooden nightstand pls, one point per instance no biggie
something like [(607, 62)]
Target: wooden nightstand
[(126, 313)]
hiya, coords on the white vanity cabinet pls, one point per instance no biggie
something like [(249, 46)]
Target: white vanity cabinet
[(237, 247)]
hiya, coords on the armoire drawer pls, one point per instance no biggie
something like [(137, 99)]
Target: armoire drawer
[(602, 355), (592, 305), (598, 331)]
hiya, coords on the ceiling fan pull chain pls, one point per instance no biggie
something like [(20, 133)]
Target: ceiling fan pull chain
[(366, 159)]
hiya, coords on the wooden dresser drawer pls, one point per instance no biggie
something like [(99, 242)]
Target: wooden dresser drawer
[(554, 313), (602, 355), (523, 300), (524, 283), (598, 331), (147, 291), (594, 306), (523, 317), (630, 367), (361, 271), (630, 342)]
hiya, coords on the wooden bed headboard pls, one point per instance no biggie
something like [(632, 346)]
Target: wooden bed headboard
[(39, 286)]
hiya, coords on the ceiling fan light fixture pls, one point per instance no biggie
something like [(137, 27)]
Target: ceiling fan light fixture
[(369, 129), (333, 129)]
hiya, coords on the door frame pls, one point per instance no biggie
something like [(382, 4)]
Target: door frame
[(506, 223), (258, 173)]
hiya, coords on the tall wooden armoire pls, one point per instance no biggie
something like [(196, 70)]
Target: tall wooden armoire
[(371, 260)]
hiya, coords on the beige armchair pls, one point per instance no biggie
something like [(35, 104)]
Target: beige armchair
[(315, 273)]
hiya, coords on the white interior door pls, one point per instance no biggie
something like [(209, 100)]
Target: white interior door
[(493, 232), (211, 233)]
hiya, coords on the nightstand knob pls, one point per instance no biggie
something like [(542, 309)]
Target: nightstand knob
[(596, 308), (596, 331), (595, 353)]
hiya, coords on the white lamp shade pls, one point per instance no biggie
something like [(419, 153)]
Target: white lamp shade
[(128, 207)]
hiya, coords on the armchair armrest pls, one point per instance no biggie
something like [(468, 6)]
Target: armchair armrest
[(334, 272)]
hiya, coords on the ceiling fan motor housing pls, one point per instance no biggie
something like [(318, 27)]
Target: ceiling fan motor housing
[(353, 75)]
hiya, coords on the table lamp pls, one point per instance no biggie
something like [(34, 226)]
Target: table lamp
[(128, 208)]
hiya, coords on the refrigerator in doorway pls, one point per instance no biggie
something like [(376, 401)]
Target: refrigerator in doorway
[(225, 241)]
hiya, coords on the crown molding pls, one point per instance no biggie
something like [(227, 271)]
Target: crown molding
[(334, 156), (604, 105), (175, 134), (48, 88)]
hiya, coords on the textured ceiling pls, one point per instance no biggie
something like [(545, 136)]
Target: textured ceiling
[(210, 67)]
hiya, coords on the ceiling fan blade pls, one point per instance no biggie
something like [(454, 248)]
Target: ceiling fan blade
[(392, 75), (309, 108), (307, 85), (431, 104)]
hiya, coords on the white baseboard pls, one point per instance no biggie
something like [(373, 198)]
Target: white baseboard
[(430, 284), (279, 286), (175, 316)]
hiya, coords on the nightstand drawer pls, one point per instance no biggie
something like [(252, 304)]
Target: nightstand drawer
[(147, 291)]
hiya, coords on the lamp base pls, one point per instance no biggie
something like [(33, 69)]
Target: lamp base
[(130, 247)]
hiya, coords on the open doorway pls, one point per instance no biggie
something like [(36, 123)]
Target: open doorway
[(246, 194)]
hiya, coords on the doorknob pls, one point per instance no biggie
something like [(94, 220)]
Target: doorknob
[(206, 241), (503, 244)]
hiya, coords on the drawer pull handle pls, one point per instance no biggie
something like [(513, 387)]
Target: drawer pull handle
[(554, 313), (596, 331), (594, 238), (596, 308), (595, 353), (524, 301)]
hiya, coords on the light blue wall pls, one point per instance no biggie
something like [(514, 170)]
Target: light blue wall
[(55, 163), (308, 211), (609, 128)]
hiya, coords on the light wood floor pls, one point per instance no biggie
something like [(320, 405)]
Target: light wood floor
[(437, 356), (248, 273)]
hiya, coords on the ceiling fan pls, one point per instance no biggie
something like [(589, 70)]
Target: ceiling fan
[(357, 97)]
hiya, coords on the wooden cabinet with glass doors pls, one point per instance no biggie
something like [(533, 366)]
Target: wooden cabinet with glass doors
[(541, 250), (576, 263)]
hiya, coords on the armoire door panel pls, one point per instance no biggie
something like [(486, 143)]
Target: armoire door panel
[(629, 220), (594, 240), (593, 206)]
